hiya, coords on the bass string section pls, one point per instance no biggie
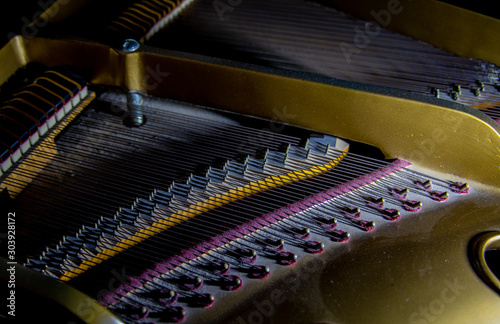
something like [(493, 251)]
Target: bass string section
[(196, 205)]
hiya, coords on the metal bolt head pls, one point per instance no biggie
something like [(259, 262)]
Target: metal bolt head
[(130, 45), (135, 117), (135, 98)]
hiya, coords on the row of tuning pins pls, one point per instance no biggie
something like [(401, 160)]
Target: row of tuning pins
[(253, 239), (456, 89), (348, 207), (163, 292)]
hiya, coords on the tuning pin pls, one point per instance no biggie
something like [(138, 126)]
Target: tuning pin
[(339, 235), (391, 214), (231, 282), (400, 193), (273, 244), (301, 232), (364, 224), (352, 212), (165, 296), (259, 272), (201, 300), (247, 255), (329, 225), (376, 202), (412, 205), (440, 195), (426, 185), (460, 187), (286, 258), (191, 283), (314, 247), (219, 267)]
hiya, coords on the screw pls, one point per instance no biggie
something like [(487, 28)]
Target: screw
[(130, 45)]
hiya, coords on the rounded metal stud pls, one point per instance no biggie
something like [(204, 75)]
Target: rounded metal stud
[(130, 45)]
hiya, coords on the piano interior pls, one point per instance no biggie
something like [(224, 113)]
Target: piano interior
[(235, 161)]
